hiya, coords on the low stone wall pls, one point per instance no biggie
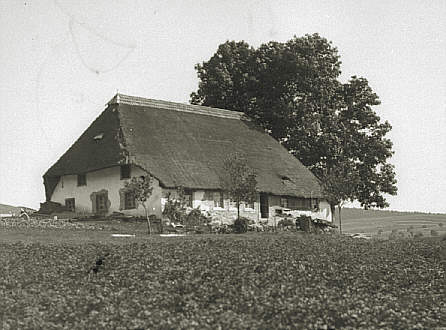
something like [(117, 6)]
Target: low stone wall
[(49, 223)]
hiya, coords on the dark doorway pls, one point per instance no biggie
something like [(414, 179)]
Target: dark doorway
[(101, 203), (264, 205)]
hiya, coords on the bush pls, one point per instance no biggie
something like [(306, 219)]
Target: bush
[(175, 207), (287, 222), (241, 225), (195, 219), (418, 235), (434, 232), (440, 224), (218, 228), (304, 222)]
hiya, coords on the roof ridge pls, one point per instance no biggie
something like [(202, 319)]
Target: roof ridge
[(168, 105)]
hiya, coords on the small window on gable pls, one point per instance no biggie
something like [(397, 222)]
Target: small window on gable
[(70, 204), (129, 201), (82, 179), (125, 171), (98, 137)]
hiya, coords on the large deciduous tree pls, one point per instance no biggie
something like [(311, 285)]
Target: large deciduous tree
[(293, 91)]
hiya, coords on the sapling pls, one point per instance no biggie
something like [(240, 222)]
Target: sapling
[(141, 188)]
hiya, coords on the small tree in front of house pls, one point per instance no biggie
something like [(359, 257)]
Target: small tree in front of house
[(141, 188), (239, 180), (338, 185)]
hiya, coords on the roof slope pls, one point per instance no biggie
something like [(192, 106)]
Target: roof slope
[(184, 145)]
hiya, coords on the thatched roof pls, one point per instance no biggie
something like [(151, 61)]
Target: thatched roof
[(182, 145)]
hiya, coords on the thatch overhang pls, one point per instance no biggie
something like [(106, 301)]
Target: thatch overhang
[(182, 145)]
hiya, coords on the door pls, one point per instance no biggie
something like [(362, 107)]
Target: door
[(101, 203), (264, 205)]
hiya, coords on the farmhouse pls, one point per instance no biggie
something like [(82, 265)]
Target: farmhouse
[(180, 145)]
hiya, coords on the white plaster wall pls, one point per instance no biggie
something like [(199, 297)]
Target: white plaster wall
[(228, 212), (323, 213), (108, 179)]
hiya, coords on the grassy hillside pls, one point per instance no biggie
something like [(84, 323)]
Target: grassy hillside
[(403, 223), (354, 213), (5, 209)]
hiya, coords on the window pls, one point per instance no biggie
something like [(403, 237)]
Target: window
[(129, 201), (99, 137), (188, 197), (218, 199), (81, 179), (249, 205), (304, 203), (125, 171), (70, 204), (284, 202), (300, 203)]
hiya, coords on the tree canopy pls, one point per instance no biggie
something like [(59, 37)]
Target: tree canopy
[(239, 180), (141, 189), (293, 91)]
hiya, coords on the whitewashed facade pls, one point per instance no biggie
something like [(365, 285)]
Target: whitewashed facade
[(103, 192)]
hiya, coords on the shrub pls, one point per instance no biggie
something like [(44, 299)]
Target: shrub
[(440, 224), (424, 226), (434, 232), (241, 225), (175, 208), (380, 231), (304, 222), (195, 219), (418, 235), (286, 223)]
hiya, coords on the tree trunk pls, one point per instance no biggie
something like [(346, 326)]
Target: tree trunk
[(340, 220), (333, 211), (149, 228), (238, 210)]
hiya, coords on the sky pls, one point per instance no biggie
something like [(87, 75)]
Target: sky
[(62, 61)]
